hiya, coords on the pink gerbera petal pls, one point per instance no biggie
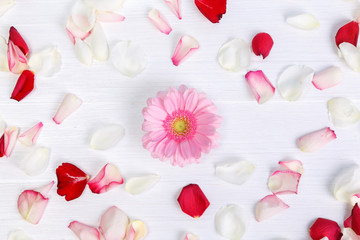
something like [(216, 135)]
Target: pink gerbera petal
[(108, 178), (29, 137), (260, 86), (159, 21), (186, 46), (268, 207), (325, 228), (84, 232), (174, 5), (282, 182), (316, 140)]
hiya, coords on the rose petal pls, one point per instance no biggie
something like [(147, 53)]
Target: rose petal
[(24, 85), (355, 199), (104, 16), (83, 16), (5, 5), (230, 222), (185, 47), (98, 43), (29, 137), (284, 182), (292, 79), (84, 232), (174, 6), (105, 5), (2, 146), (4, 65), (351, 55), (193, 201), (83, 52), (303, 21), (137, 185), (343, 112), (325, 228), (190, 236), (71, 181), (349, 234), (347, 183), (2, 126), (159, 21), (212, 10), (107, 136), (316, 140), (234, 55), (10, 136), (108, 178), (129, 58), (47, 62), (268, 207), (260, 86), (16, 38), (18, 235), (328, 78), (36, 162), (348, 33), (353, 221), (292, 165), (45, 189), (136, 230), (74, 31), (113, 224), (17, 61), (262, 44), (235, 172), (69, 104)]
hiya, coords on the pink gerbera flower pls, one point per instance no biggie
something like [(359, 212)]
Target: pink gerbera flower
[(180, 125)]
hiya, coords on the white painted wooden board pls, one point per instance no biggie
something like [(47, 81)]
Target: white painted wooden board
[(263, 134)]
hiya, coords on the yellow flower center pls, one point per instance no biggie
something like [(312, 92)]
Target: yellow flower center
[(180, 126)]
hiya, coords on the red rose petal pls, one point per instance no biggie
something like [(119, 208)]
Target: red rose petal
[(348, 33), (193, 201), (325, 228), (2, 146), (212, 9), (71, 181), (17, 39), (353, 221), (262, 44), (24, 85)]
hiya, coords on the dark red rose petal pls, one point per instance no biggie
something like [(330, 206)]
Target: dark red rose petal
[(17, 39), (24, 85), (353, 221), (325, 228), (262, 44), (2, 146), (71, 181), (348, 33), (193, 201), (212, 9)]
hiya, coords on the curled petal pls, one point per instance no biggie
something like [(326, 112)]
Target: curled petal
[(268, 207), (303, 21), (343, 112), (71, 181), (193, 201), (36, 162), (353, 221), (83, 52), (174, 6), (17, 61), (351, 55), (109, 17), (136, 230), (99, 45), (282, 182), (83, 16), (16, 38), (190, 236), (47, 62), (293, 165), (129, 58), (230, 222), (234, 55), (328, 78), (260, 86), (348, 33), (347, 184), (212, 10), (29, 137), (185, 47), (69, 104), (159, 21), (139, 185), (5, 5), (107, 137), (84, 232), (105, 5), (262, 44), (113, 224), (74, 31), (24, 85), (108, 178), (235, 172), (18, 235), (4, 65), (316, 140), (292, 79), (325, 228), (10, 136)]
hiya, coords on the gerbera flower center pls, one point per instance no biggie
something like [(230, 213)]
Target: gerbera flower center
[(180, 125)]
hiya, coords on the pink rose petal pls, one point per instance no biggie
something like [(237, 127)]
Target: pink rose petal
[(69, 104), (283, 182), (10, 136), (260, 86), (29, 137), (328, 78), (108, 178), (84, 232), (16, 58), (113, 224), (136, 230), (190, 236), (174, 5), (159, 21), (293, 165), (74, 31), (184, 48), (268, 207), (109, 17), (316, 140), (83, 16)]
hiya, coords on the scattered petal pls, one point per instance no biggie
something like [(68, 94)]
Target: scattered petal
[(24, 85), (105, 5), (136, 230), (343, 112), (83, 16), (108, 178), (293, 165), (355, 199), (83, 52), (137, 185), (84, 232), (262, 44), (10, 136), (18, 235), (230, 222), (351, 55), (234, 55), (4, 65), (129, 58), (303, 21), (260, 86), (347, 184), (348, 33), (349, 234), (99, 45), (353, 221), (283, 182), (36, 162), (2, 146), (74, 31), (29, 137), (193, 201), (159, 21), (268, 207), (107, 136), (69, 104), (17, 61), (292, 79), (190, 236), (235, 172), (174, 6), (185, 47), (17, 40), (113, 224), (328, 78), (71, 181), (325, 228), (316, 140), (47, 62), (212, 10), (2, 126), (5, 5), (109, 17)]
